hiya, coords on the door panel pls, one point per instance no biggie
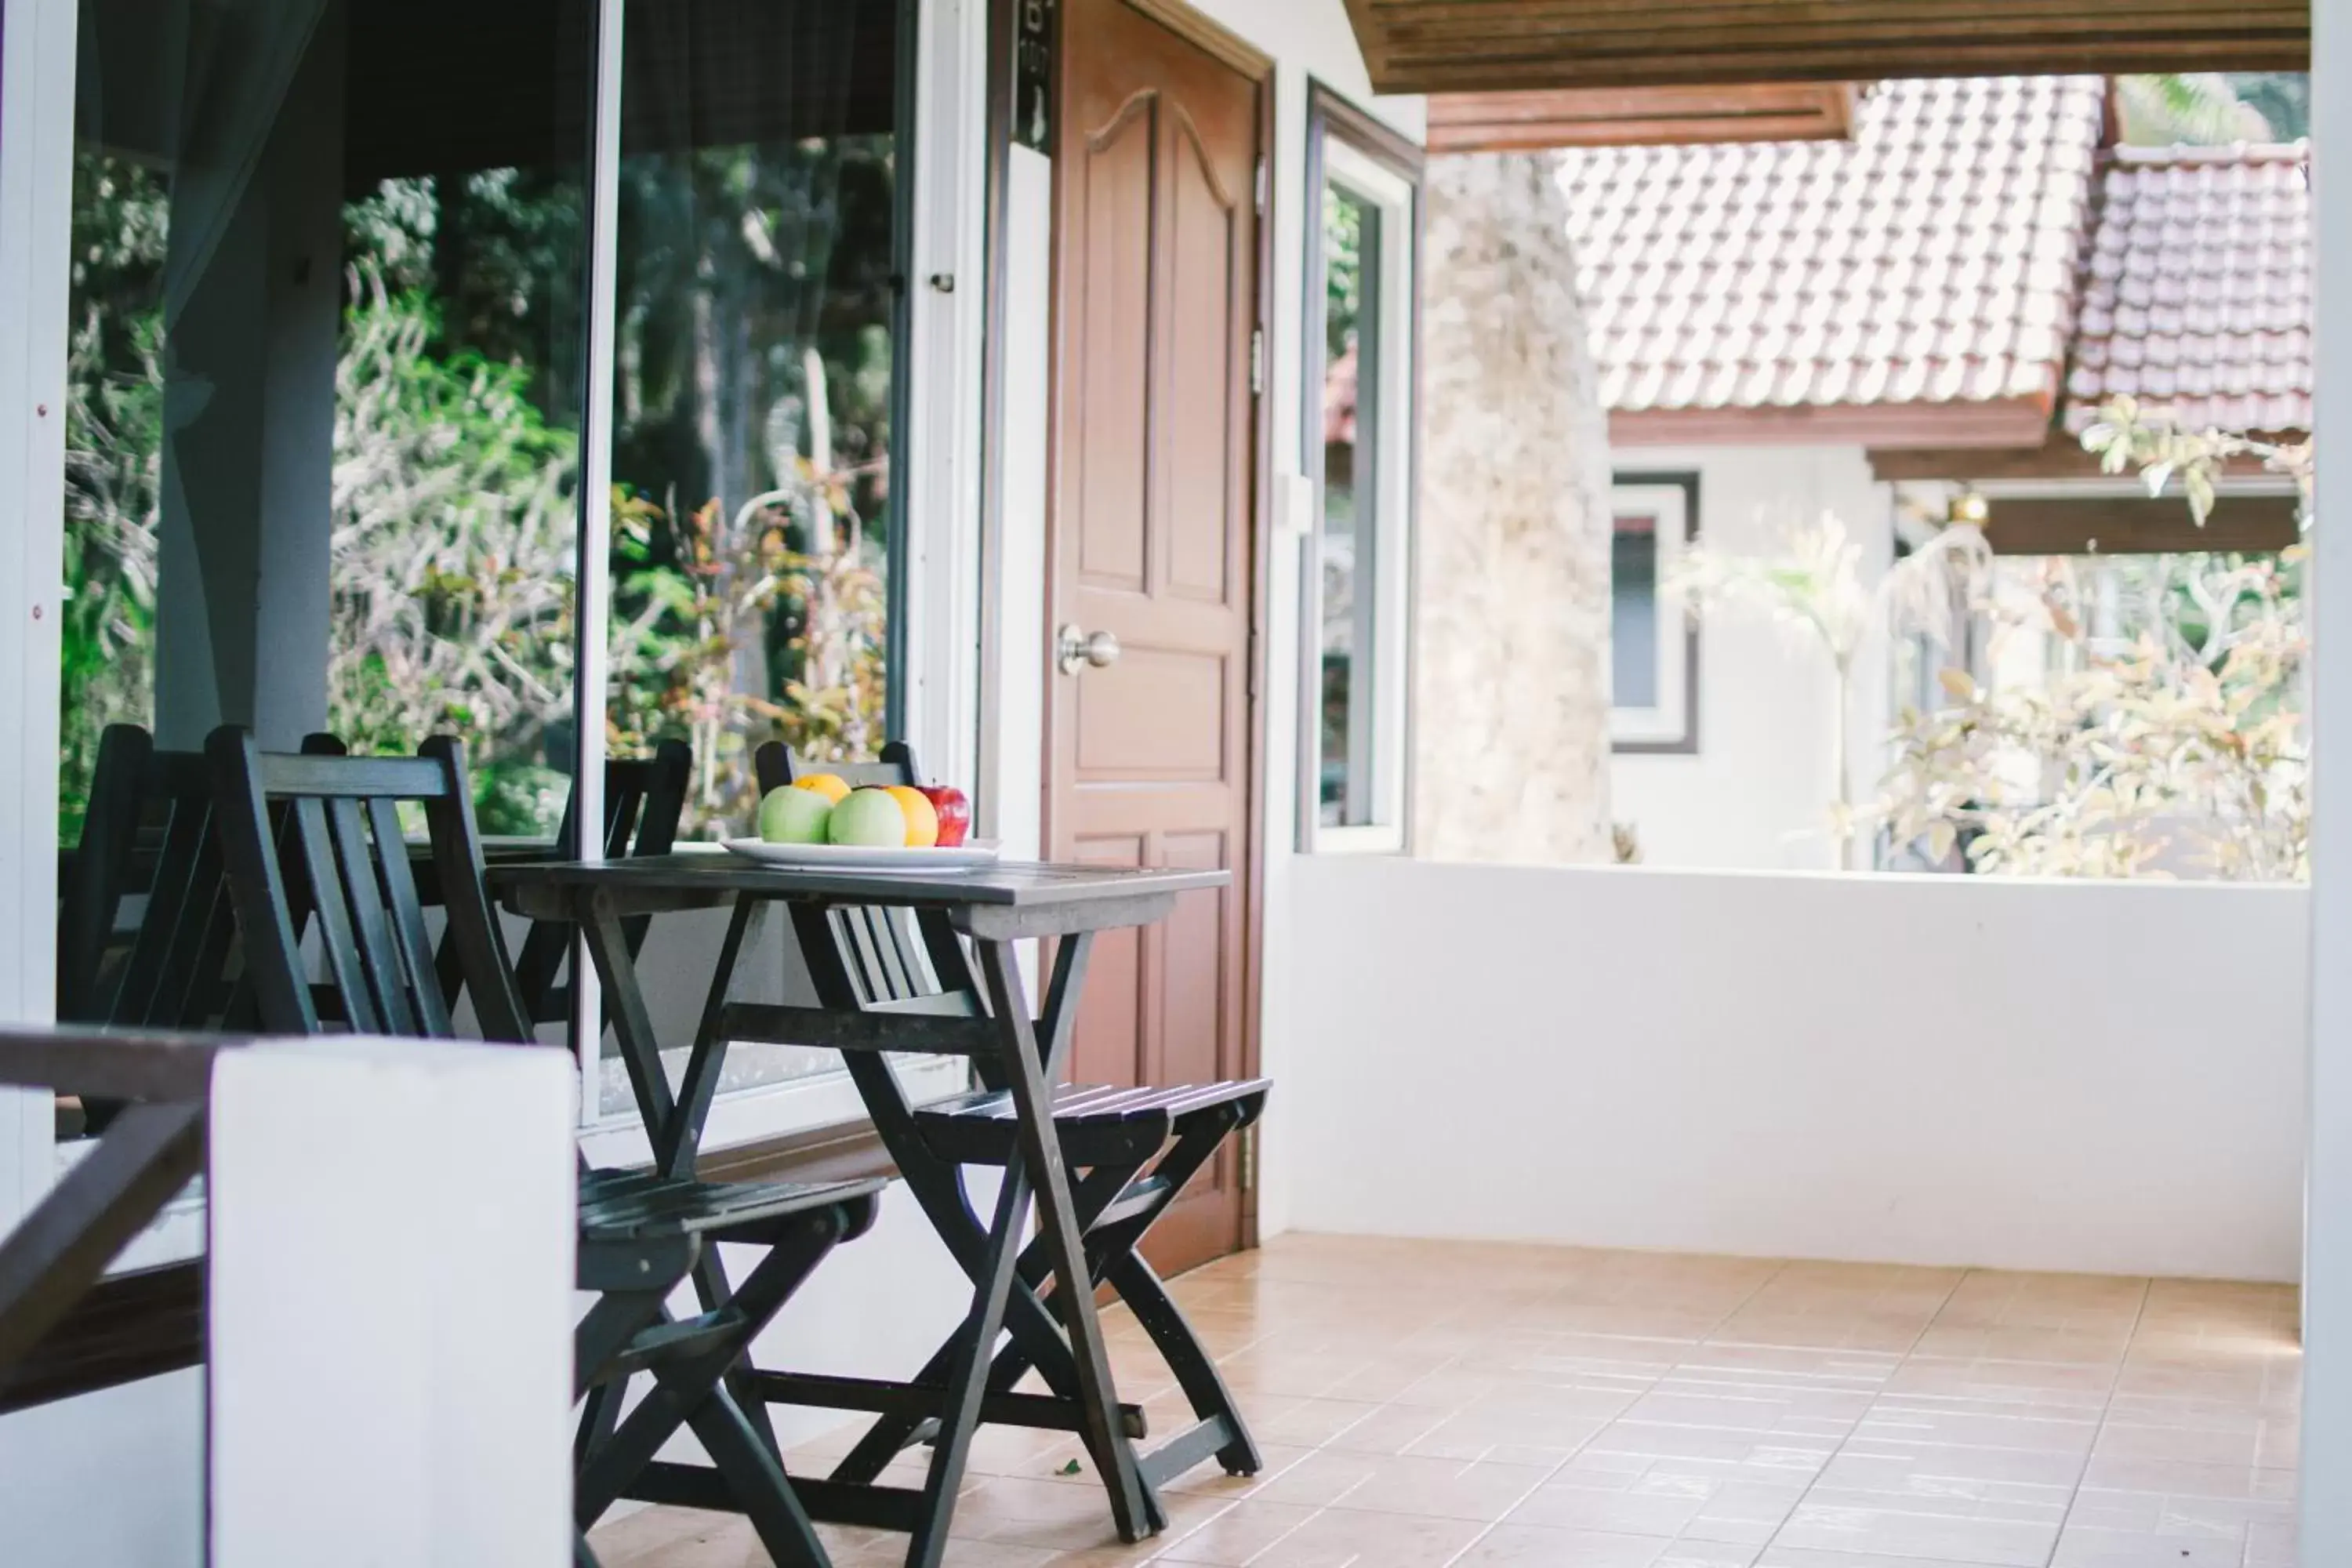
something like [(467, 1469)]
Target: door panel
[(1156, 289), (1115, 291)]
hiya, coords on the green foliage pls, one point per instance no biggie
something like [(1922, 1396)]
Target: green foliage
[(2214, 108), (455, 536), (1343, 270), (2195, 108), (2182, 743), (756, 290), (114, 435), (2177, 734)]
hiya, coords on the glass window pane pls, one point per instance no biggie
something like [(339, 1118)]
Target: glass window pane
[(1634, 612), (1350, 552), (324, 400), (757, 293), (759, 279)]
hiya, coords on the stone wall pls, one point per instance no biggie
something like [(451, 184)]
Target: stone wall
[(1511, 712)]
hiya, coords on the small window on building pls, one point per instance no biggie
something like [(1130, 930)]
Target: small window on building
[(1654, 647), (1358, 451)]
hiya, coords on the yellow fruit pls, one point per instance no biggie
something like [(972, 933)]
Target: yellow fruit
[(832, 786), (922, 817)]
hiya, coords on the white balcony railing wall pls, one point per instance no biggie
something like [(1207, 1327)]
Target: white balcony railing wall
[(2103, 1077)]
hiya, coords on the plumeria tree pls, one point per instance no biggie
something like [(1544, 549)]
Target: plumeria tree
[(1817, 588)]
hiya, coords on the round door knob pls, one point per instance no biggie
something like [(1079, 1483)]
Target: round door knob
[(1077, 649)]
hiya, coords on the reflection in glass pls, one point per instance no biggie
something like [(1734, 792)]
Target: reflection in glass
[(1634, 612), (1351, 232), (324, 397), (755, 369), (758, 293)]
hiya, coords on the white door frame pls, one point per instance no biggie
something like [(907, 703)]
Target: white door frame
[(37, 97)]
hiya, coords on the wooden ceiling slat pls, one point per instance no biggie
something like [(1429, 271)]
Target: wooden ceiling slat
[(1849, 65), (1727, 38), (1470, 45), (1668, 15), (1658, 116)]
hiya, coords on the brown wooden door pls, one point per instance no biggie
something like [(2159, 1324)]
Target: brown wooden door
[(1156, 297)]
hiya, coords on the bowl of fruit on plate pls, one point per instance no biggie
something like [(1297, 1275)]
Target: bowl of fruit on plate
[(819, 820)]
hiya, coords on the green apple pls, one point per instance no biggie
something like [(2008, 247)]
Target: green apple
[(789, 815), (870, 819)]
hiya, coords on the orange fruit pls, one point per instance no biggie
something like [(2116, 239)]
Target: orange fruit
[(832, 786), (922, 817)]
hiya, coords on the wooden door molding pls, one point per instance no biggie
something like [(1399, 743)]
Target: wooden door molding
[(1213, 35), (1248, 187)]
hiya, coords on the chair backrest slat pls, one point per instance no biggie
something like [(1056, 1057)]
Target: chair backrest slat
[(407, 915), (474, 924), (149, 835), (357, 861), (315, 852), (102, 873), (176, 974)]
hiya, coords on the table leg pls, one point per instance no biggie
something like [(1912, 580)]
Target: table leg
[(1025, 1067), (632, 1025), (681, 1141)]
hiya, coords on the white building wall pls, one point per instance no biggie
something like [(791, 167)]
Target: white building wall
[(1756, 795), (1924, 1069), (2326, 1501)]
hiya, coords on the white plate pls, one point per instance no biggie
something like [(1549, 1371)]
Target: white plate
[(859, 858)]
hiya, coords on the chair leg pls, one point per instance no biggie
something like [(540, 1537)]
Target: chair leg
[(745, 1458), (682, 1387), (893, 1433), (601, 1413), (1196, 1374)]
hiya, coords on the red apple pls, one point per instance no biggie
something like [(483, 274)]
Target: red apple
[(955, 813)]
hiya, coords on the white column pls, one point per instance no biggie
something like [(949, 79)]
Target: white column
[(392, 1306), (2327, 1217), (242, 618)]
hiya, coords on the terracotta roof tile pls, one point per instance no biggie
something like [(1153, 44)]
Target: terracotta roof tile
[(2197, 288), (1933, 257)]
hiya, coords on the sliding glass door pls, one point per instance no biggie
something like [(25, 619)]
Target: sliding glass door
[(344, 418), (325, 386)]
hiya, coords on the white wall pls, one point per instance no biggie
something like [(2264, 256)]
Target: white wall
[(1755, 794), (2096, 1077), (1308, 38), (2326, 1510)]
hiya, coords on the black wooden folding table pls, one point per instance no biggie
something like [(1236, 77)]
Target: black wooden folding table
[(891, 970)]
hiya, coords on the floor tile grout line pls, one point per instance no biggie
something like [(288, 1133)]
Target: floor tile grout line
[(2106, 1409), (1779, 1266), (1900, 1361)]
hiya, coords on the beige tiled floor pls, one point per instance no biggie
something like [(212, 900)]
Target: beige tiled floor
[(1447, 1404)]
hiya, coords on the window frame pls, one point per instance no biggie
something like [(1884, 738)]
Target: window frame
[(1670, 729), (1349, 146)]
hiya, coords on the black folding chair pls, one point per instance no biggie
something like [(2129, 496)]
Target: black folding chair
[(334, 822), (147, 835), (1136, 1148), (643, 799)]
